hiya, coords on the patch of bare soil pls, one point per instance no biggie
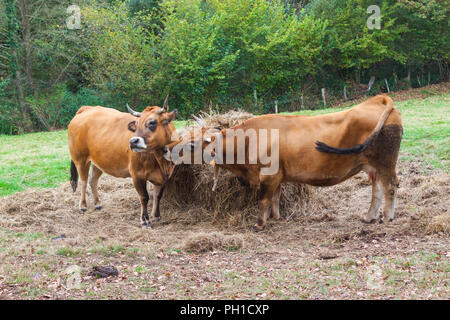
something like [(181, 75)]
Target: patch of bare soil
[(209, 258)]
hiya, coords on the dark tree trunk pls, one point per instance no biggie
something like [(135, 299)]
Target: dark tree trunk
[(19, 88), (28, 45)]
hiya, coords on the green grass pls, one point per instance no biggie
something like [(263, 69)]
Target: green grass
[(68, 252), (41, 160), (33, 160)]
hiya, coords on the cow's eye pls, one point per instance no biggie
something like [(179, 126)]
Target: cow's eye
[(151, 124)]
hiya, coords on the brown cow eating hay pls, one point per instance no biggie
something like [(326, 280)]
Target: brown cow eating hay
[(122, 145), (321, 150)]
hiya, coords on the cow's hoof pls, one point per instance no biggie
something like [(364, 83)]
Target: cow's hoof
[(368, 221), (274, 217), (146, 224), (98, 208), (83, 210), (381, 221), (257, 228), (156, 219)]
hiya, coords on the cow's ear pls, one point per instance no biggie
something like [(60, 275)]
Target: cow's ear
[(173, 115), (132, 126)]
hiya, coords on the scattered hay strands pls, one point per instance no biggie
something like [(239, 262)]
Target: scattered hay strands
[(204, 242)]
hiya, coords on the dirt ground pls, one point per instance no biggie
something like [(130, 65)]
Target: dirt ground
[(325, 252)]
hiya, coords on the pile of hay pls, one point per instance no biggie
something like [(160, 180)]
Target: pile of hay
[(204, 242), (439, 224), (225, 120), (232, 203), (424, 198)]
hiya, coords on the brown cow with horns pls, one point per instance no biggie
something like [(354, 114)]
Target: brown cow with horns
[(122, 145), (321, 150)]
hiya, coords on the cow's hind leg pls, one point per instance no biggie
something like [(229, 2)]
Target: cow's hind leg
[(83, 171), (390, 185), (141, 188), (377, 194), (94, 175), (157, 194), (275, 213), (383, 156)]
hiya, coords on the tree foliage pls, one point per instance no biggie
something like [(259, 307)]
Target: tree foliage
[(228, 53)]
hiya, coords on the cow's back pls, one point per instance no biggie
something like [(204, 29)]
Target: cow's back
[(101, 135)]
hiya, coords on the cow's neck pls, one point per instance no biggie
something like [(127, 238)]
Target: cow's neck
[(165, 165)]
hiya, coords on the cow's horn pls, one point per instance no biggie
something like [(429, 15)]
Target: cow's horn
[(166, 104), (134, 113), (199, 121)]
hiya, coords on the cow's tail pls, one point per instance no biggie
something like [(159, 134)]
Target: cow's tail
[(322, 147), (73, 176)]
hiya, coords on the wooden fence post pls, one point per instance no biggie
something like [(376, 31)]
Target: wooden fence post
[(323, 97), (345, 93), (387, 85), (371, 82), (276, 106)]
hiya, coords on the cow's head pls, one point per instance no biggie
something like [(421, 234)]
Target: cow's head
[(192, 141), (153, 128)]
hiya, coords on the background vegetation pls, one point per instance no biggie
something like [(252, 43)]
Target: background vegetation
[(210, 53)]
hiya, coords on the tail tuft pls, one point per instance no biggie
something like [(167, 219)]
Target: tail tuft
[(322, 147), (73, 176)]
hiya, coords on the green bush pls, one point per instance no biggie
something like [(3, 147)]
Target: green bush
[(7, 112), (221, 51), (50, 110), (8, 119), (73, 101)]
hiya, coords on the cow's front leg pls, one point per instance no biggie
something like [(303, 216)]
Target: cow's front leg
[(157, 194), (266, 193), (141, 188)]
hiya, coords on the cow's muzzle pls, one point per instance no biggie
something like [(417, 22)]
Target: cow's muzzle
[(137, 144)]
